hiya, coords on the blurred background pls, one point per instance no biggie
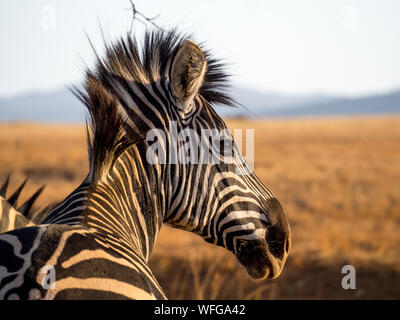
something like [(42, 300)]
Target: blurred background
[(320, 83)]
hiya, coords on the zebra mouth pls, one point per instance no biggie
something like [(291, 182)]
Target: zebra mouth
[(258, 261)]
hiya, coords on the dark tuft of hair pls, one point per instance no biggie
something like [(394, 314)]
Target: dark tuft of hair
[(106, 133)]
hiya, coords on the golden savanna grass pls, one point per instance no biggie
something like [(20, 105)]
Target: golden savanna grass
[(337, 178)]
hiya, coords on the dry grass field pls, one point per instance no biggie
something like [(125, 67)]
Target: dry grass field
[(337, 178)]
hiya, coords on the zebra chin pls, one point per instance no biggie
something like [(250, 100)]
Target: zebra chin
[(259, 261)]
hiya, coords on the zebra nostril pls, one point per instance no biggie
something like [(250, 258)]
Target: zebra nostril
[(278, 242), (287, 244)]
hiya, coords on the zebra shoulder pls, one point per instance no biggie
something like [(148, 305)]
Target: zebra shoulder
[(66, 262)]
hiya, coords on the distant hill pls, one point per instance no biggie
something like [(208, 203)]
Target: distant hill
[(54, 106), (62, 106), (377, 104), (260, 103)]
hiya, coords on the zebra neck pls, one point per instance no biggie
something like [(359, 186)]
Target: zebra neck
[(126, 208), (70, 210)]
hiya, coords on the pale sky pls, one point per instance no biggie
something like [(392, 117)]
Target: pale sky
[(288, 46)]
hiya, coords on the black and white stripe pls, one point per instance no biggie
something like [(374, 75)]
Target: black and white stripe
[(104, 232)]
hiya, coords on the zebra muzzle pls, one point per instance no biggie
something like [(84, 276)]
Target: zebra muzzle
[(260, 260)]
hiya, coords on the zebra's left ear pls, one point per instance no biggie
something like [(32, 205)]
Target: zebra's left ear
[(187, 72)]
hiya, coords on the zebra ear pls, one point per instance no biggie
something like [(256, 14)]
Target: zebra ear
[(187, 71)]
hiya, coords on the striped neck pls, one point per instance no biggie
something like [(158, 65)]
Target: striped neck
[(69, 211), (126, 209)]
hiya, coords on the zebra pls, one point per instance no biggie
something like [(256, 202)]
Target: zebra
[(11, 218), (97, 242)]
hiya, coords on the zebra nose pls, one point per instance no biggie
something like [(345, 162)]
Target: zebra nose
[(278, 232)]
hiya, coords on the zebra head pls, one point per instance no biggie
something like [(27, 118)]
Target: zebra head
[(168, 90), (218, 196)]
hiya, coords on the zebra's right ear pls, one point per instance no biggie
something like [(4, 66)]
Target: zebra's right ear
[(187, 73)]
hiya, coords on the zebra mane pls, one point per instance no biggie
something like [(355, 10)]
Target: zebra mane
[(148, 62), (107, 137), (26, 208)]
